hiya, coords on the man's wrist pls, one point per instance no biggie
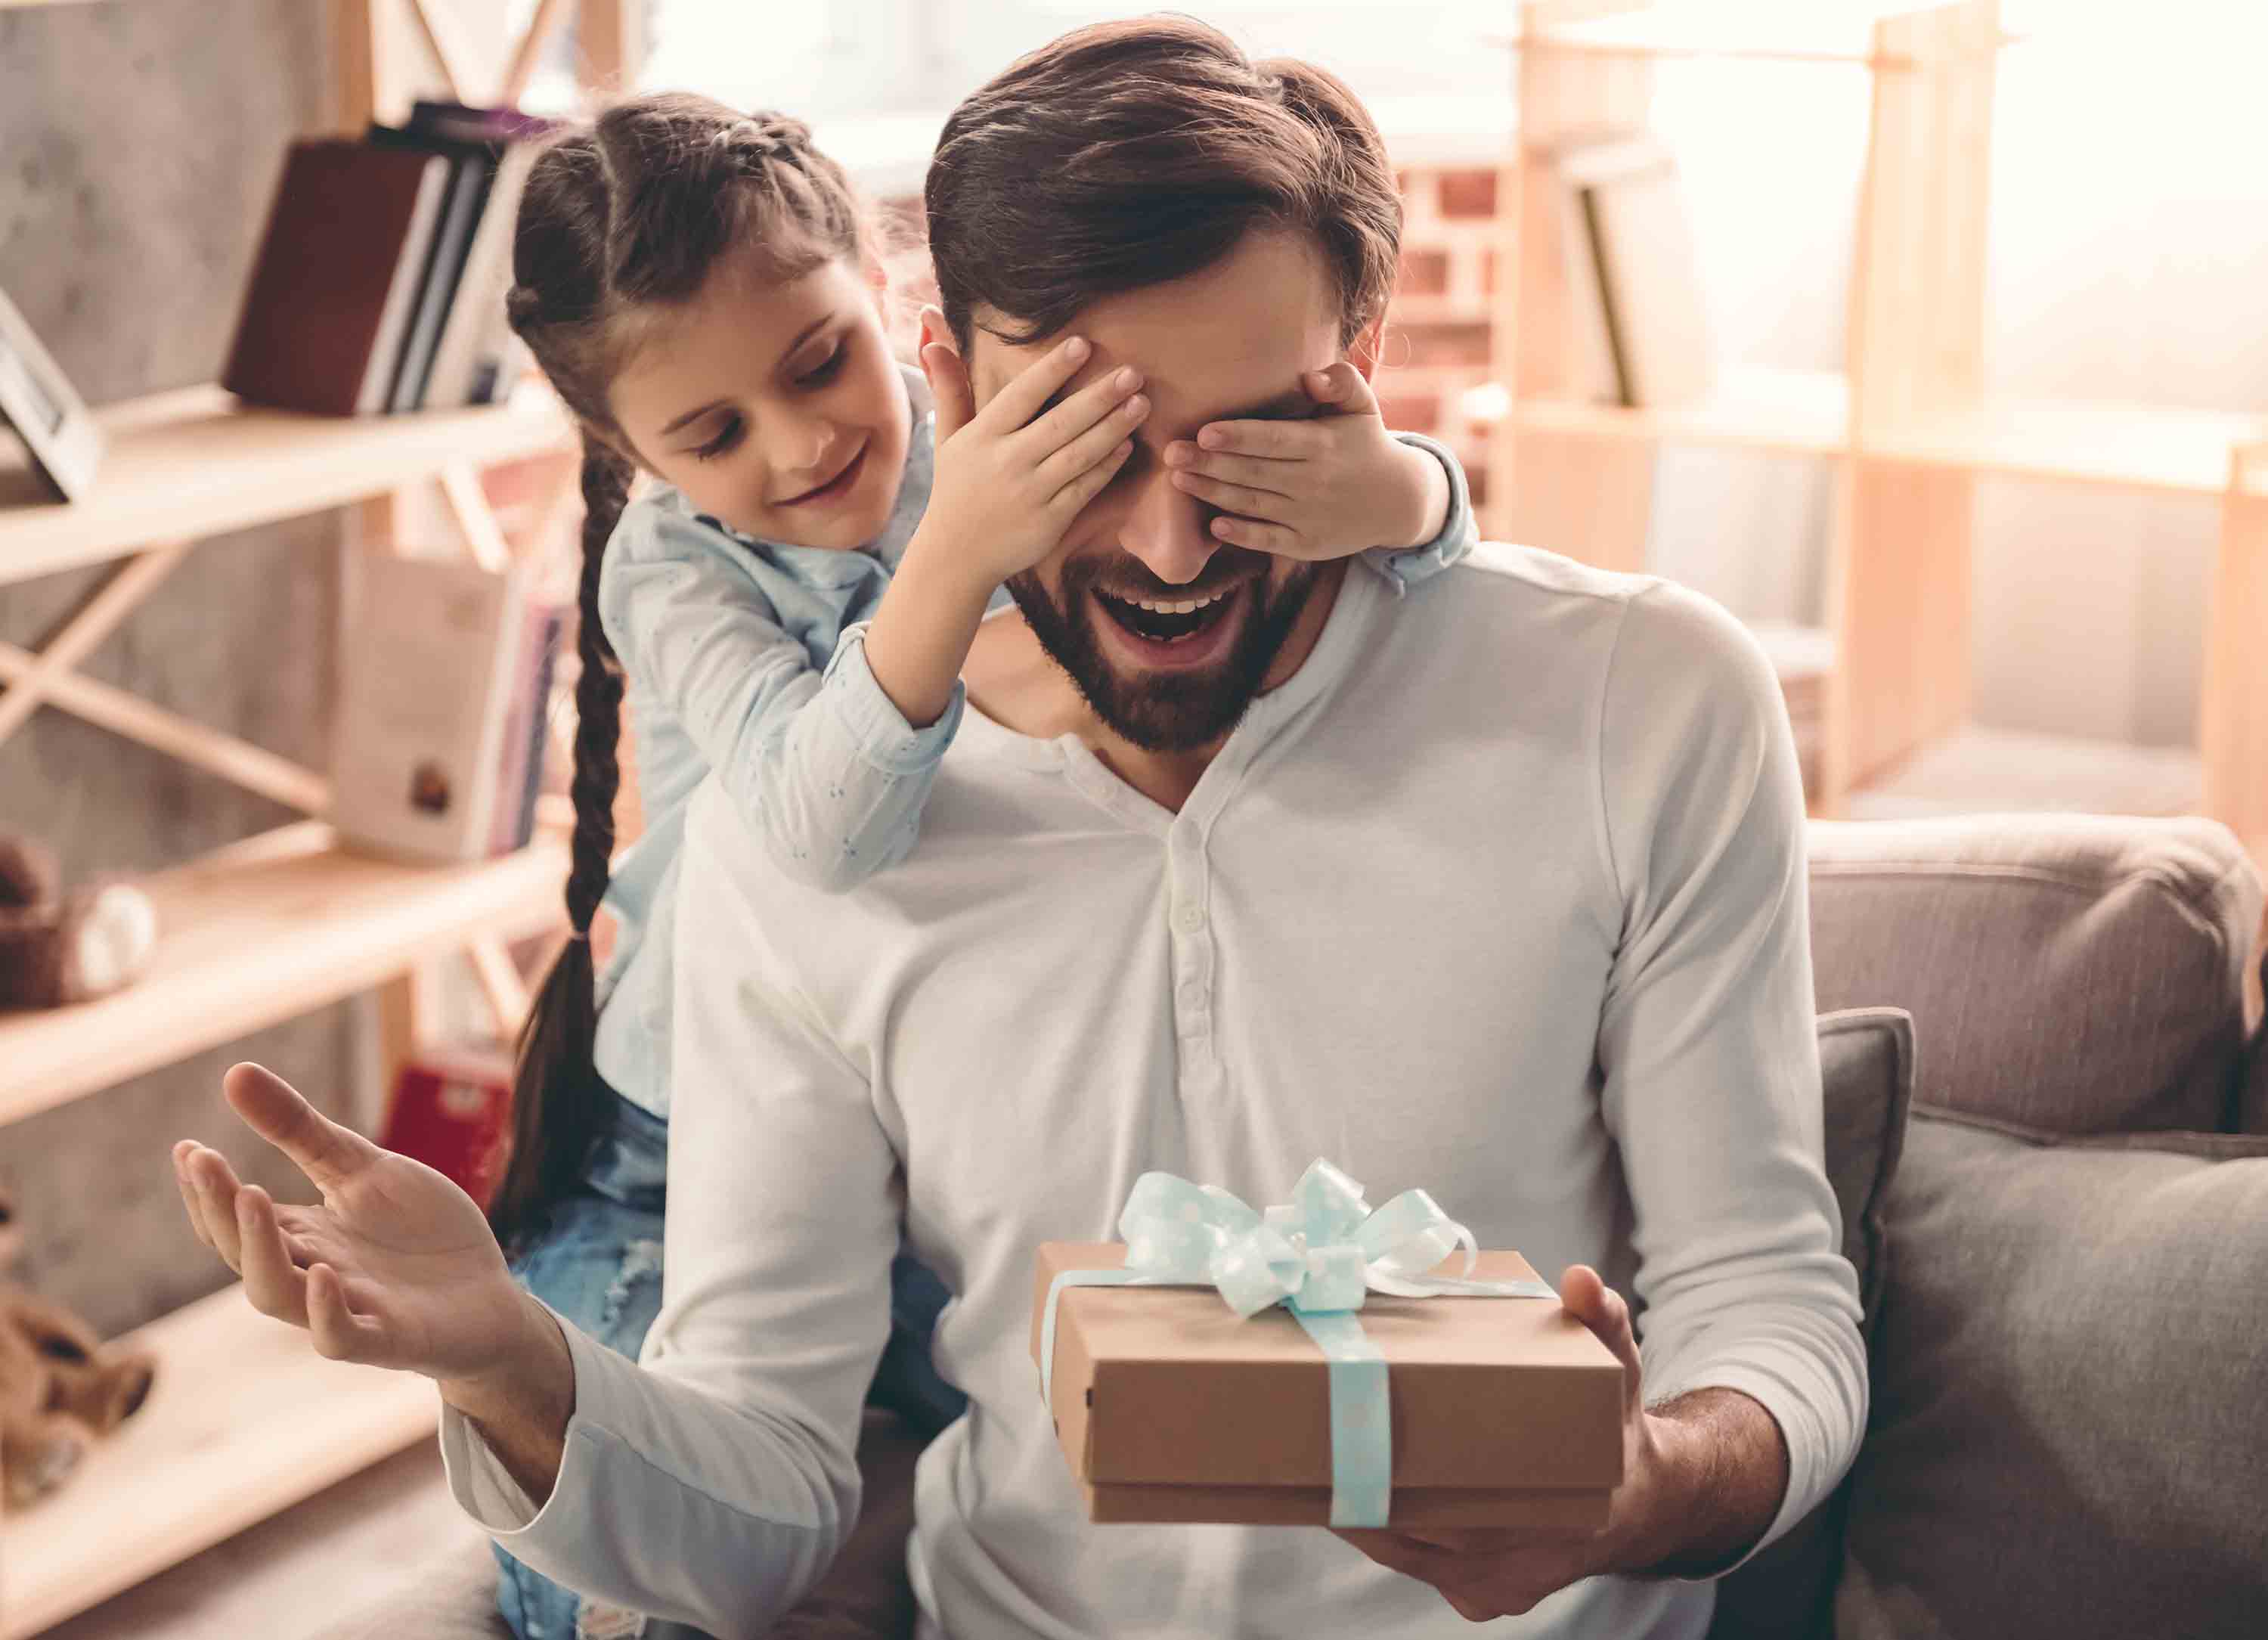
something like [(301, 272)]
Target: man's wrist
[(1430, 493), (1716, 1469), (537, 1368)]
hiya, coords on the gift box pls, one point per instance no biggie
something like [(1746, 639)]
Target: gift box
[(1172, 1406)]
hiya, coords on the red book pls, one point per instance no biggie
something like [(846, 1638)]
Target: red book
[(452, 1111)]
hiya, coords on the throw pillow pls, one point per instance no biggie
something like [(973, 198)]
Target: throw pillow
[(1866, 1067), (2069, 1422)]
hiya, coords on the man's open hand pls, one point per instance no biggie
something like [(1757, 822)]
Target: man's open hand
[(1336, 483), (1502, 1572), (396, 1267)]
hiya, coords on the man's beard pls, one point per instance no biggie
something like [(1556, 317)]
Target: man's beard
[(1165, 712)]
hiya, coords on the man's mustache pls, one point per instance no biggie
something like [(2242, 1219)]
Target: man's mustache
[(1124, 576)]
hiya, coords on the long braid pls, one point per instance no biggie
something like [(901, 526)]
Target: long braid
[(619, 218), (560, 1105)]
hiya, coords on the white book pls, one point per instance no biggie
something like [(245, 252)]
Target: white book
[(1627, 194), (1592, 375), (401, 295), (477, 339), (427, 672)]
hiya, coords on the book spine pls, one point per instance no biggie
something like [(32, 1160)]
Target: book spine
[(498, 701), (539, 727), (464, 362), (505, 820), (452, 242), (408, 271)]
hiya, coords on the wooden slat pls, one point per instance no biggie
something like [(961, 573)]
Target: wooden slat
[(126, 589), (2145, 447), (1772, 31), (466, 80), (252, 767), (2232, 710), (1794, 412), (193, 464), (549, 14), (1590, 500), (1904, 611), (244, 1419), (264, 931), (1983, 771)]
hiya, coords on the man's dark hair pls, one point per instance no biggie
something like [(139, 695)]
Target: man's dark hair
[(1131, 153)]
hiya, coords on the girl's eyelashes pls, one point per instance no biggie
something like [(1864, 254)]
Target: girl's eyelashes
[(727, 436), (820, 373)]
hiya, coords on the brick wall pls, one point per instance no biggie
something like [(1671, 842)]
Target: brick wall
[(1436, 338)]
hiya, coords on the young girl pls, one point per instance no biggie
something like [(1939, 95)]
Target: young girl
[(789, 606)]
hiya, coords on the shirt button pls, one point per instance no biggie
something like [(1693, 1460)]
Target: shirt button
[(1193, 997), (1191, 918)]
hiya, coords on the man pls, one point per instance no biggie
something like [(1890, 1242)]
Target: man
[(1495, 888)]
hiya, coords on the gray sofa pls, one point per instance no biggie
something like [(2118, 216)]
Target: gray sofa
[(2064, 1246)]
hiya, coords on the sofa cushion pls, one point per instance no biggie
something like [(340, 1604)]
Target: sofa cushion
[(2068, 1383), (2072, 972), (1866, 1068)]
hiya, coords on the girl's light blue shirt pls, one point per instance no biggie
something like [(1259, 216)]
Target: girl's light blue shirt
[(748, 657)]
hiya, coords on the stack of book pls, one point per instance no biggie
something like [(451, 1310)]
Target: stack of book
[(380, 281), (445, 695)]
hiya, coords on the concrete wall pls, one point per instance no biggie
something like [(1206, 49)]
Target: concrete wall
[(139, 144)]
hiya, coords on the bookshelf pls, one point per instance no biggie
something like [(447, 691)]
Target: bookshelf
[(244, 1418), (269, 929), (194, 463), (1907, 425)]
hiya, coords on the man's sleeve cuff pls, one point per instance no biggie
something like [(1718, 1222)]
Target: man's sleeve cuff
[(485, 1490), (1808, 1482), (877, 731)]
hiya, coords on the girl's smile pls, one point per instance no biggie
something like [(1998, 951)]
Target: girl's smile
[(776, 406)]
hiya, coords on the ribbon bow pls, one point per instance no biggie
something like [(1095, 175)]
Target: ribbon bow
[(1319, 1255), (1321, 1252)]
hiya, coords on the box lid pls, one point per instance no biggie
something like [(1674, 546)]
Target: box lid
[(1166, 1385)]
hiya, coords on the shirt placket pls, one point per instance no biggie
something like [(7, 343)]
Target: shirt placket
[(1196, 956)]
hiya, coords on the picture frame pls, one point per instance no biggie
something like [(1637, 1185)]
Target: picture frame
[(38, 402)]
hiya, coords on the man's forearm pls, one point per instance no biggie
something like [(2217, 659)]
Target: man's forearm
[(1727, 1473), (522, 1411)]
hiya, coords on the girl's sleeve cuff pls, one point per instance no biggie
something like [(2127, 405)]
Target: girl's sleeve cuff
[(877, 731), (1406, 567)]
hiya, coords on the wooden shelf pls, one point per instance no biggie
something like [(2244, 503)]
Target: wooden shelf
[(244, 1419), (1982, 771), (195, 462), (1758, 30), (2126, 446), (1794, 412), (260, 932)]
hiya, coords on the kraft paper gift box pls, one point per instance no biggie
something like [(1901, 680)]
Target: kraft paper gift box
[(1171, 1407)]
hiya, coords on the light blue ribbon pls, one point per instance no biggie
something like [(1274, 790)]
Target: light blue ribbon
[(1320, 1256)]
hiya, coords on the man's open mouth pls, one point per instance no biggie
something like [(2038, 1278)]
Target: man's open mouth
[(1170, 620)]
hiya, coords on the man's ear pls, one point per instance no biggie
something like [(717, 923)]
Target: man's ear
[(1363, 351), (949, 387), (934, 329)]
